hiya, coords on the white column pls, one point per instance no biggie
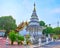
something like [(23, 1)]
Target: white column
[(47, 40), (33, 32), (39, 41), (48, 35), (7, 42), (52, 39), (37, 31)]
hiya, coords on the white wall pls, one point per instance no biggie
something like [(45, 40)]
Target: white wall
[(2, 33)]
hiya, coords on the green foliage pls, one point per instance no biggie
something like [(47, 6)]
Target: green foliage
[(15, 37), (12, 36), (19, 38), (55, 37), (57, 30), (42, 23), (7, 23), (48, 30)]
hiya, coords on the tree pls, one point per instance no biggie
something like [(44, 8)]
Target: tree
[(12, 36), (57, 30), (42, 23), (55, 37), (48, 30), (19, 38), (7, 23)]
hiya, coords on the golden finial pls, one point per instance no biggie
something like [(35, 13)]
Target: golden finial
[(34, 4), (34, 7)]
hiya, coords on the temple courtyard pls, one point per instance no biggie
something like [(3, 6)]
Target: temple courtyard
[(55, 44), (36, 33)]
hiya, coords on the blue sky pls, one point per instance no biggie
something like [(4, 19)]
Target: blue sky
[(21, 10)]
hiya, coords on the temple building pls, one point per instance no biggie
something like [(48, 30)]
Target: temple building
[(33, 27), (2, 33)]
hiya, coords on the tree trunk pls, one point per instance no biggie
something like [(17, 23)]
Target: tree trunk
[(11, 42), (18, 43)]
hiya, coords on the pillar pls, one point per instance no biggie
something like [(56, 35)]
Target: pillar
[(39, 41), (47, 40), (48, 35), (52, 39)]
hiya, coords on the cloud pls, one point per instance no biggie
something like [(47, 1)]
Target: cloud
[(56, 10)]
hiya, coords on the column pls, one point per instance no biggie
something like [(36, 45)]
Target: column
[(7, 42), (32, 32), (39, 41), (37, 31), (48, 35), (52, 39), (29, 33), (47, 40)]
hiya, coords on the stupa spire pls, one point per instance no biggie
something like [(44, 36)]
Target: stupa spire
[(34, 7)]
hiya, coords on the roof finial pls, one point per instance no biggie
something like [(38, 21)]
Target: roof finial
[(34, 4), (34, 7)]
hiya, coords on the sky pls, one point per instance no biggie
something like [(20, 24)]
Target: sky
[(21, 10)]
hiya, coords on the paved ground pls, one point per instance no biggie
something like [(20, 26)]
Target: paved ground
[(55, 44), (3, 44)]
